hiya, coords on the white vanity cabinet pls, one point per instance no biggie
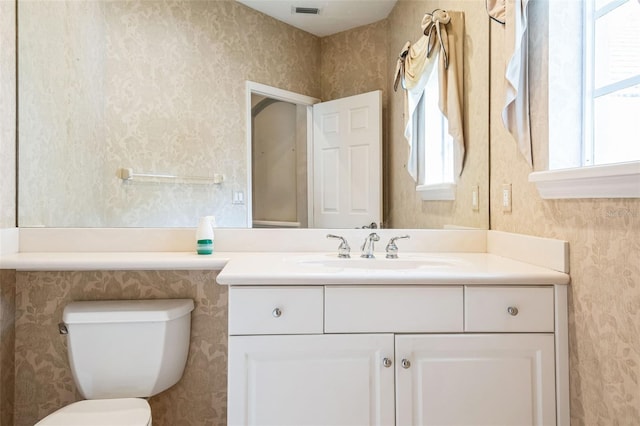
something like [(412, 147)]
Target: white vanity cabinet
[(483, 379), (331, 379), (394, 355)]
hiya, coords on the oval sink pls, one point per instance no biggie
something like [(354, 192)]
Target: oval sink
[(377, 263)]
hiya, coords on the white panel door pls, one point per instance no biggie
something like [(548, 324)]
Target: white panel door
[(347, 161), (308, 380), (472, 380)]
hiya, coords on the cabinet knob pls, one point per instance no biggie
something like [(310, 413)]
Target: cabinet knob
[(277, 313), (512, 310), (405, 363), (386, 362)]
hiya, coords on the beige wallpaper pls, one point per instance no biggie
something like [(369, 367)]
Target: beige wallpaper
[(43, 376), (354, 62), (406, 209), (158, 86), (7, 114), (7, 341), (604, 238)]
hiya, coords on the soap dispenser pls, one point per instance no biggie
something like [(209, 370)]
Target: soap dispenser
[(204, 236)]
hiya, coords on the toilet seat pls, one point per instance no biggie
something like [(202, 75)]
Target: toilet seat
[(101, 412)]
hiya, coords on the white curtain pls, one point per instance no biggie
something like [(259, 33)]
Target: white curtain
[(515, 114), (441, 44)]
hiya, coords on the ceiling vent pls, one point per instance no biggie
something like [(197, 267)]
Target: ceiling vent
[(306, 10)]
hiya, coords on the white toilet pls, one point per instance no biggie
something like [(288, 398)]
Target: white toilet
[(120, 352)]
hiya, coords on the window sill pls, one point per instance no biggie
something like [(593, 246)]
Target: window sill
[(438, 192), (605, 181)]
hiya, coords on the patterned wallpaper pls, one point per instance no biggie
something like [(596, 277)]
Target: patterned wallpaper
[(406, 209), (604, 236), (43, 376), (167, 84), (354, 62), (7, 341), (7, 114)]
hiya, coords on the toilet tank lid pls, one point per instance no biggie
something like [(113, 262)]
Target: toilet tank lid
[(114, 311)]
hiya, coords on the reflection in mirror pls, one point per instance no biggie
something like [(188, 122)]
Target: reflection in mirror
[(159, 87), (278, 163)]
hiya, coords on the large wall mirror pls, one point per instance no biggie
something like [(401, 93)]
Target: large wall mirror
[(133, 113)]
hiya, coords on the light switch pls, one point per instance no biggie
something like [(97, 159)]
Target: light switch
[(238, 197), (475, 198), (506, 197)]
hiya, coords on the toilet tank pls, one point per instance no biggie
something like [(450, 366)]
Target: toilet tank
[(127, 348)]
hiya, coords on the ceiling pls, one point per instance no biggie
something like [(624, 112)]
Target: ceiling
[(335, 15)]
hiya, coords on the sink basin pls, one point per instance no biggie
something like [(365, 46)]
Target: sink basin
[(380, 263)]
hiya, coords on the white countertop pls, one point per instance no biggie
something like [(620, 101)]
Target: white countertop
[(438, 268), (295, 268), (303, 257), (89, 261)]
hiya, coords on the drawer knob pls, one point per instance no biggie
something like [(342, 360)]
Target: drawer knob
[(386, 362), (277, 313), (512, 310), (405, 363)]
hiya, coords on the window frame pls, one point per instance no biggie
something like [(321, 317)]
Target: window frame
[(615, 180)]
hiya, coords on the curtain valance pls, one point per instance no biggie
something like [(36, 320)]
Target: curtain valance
[(441, 45)]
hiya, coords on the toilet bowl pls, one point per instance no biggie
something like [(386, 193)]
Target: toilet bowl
[(121, 352)]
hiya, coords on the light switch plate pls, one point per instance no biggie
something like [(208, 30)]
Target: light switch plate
[(506, 197), (475, 198), (238, 197)]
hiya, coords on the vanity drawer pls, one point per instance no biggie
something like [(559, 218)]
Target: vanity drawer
[(275, 310), (509, 309), (402, 309)]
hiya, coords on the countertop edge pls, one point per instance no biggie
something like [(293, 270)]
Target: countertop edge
[(113, 261), (489, 269)]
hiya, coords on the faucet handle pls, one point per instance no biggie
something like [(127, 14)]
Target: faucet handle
[(343, 248), (392, 248)]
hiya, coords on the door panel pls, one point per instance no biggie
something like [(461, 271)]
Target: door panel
[(468, 380), (308, 380), (347, 169)]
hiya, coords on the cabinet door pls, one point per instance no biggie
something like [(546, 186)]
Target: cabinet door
[(311, 380), (479, 379)]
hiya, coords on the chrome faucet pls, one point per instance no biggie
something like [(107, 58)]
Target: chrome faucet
[(367, 246), (392, 248), (343, 248)]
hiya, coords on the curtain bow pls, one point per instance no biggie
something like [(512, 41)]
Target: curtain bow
[(400, 65), (433, 25)]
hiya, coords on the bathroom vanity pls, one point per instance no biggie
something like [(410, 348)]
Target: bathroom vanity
[(464, 328), (464, 339)]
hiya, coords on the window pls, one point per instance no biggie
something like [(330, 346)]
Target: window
[(435, 152), (612, 82), (594, 79)]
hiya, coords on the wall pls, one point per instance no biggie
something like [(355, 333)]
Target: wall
[(43, 377), (7, 202), (407, 210), (354, 62), (161, 90), (277, 178), (7, 114), (7, 341), (604, 237)]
